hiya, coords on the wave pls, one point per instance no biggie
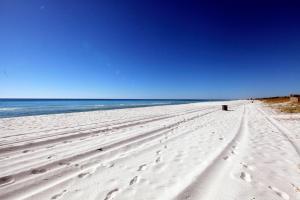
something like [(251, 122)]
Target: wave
[(8, 109)]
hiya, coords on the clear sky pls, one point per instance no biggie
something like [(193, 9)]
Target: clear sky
[(149, 49)]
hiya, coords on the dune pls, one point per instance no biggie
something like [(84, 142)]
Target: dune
[(189, 151)]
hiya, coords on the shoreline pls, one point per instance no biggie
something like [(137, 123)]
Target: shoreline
[(10, 112)]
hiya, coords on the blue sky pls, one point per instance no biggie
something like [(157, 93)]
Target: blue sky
[(148, 49)]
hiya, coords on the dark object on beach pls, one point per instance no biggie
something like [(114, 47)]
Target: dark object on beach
[(224, 107), (100, 149)]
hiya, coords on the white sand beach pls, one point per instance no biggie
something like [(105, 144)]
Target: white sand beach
[(189, 151)]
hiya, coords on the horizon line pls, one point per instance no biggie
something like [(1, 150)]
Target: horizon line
[(20, 98)]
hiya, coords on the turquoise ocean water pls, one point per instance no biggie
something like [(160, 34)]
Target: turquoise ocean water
[(27, 107)]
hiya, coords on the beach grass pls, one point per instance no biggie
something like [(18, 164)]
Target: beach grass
[(282, 104), (290, 108), (275, 100)]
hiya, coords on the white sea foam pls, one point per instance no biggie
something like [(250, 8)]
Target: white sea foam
[(9, 109)]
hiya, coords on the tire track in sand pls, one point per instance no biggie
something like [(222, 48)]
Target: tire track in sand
[(206, 183), (283, 131), (71, 152), (46, 140), (87, 155)]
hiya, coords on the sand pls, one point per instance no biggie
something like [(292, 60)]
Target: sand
[(191, 151)]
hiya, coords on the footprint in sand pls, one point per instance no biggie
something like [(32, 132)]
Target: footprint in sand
[(6, 180), (247, 166), (297, 189), (82, 175), (246, 177), (158, 160), (111, 194), (283, 195), (64, 163), (158, 152), (225, 157), (38, 171), (59, 195), (134, 180), (110, 165), (142, 167)]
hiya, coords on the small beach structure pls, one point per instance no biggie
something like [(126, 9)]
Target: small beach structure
[(295, 98), (224, 107)]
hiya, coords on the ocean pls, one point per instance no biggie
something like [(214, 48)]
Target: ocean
[(28, 107)]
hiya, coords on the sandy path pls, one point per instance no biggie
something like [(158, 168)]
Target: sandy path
[(191, 151)]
